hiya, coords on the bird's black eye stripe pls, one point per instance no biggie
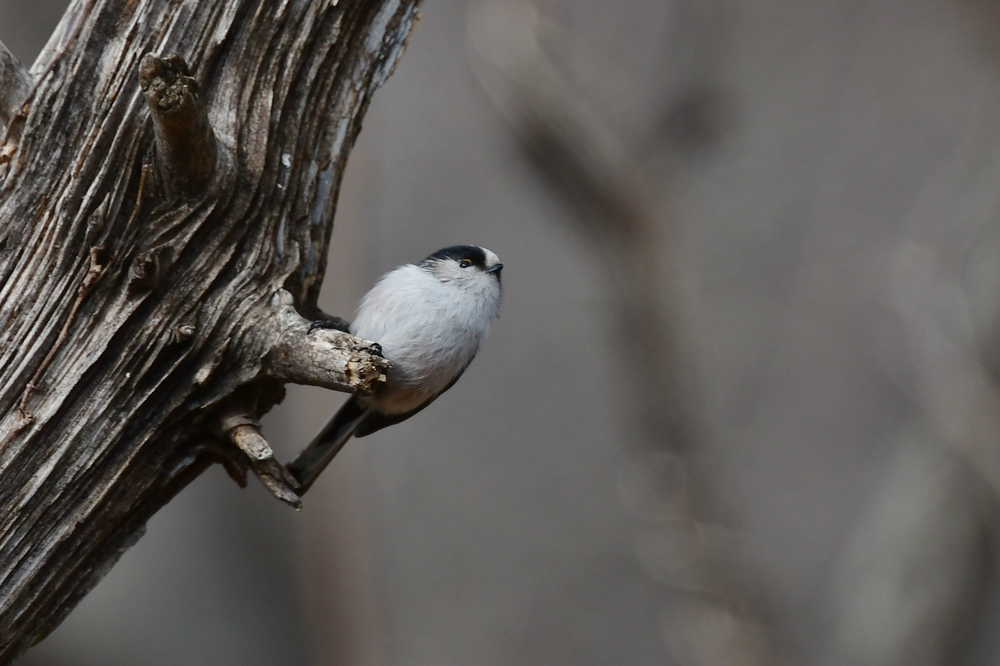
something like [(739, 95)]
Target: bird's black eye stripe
[(465, 255)]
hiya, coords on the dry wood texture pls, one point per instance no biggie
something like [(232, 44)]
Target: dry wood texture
[(161, 248)]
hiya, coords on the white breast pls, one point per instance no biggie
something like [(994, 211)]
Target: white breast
[(430, 330)]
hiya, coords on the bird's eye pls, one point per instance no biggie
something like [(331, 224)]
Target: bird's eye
[(465, 263)]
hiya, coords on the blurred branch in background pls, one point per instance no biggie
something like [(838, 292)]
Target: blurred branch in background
[(709, 619), (909, 587)]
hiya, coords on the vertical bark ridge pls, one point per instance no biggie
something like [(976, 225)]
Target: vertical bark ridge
[(122, 404)]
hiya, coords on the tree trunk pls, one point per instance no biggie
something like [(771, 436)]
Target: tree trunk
[(164, 222)]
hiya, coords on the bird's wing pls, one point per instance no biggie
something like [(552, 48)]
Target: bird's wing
[(327, 443), (374, 421)]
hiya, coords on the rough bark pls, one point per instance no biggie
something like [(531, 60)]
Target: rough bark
[(161, 248)]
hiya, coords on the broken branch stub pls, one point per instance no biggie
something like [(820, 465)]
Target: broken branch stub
[(245, 433), (321, 357), (186, 149), (300, 353)]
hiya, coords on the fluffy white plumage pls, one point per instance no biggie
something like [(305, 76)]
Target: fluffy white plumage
[(430, 319)]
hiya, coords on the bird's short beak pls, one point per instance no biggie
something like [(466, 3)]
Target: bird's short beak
[(495, 268)]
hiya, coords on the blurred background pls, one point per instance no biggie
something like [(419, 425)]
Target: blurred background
[(741, 407)]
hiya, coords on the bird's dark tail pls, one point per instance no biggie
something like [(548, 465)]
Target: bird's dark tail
[(326, 444)]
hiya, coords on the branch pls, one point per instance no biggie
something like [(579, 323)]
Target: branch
[(554, 124), (298, 353), (185, 144), (913, 577), (15, 85), (302, 354), (245, 433), (590, 169), (145, 372)]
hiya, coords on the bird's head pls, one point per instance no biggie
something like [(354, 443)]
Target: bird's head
[(466, 265)]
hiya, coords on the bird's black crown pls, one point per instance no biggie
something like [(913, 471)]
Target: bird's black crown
[(458, 253)]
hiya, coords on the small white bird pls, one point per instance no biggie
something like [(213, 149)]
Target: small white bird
[(429, 320)]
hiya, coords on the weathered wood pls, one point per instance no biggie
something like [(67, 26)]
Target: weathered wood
[(138, 291), (186, 151), (304, 354), (274, 476)]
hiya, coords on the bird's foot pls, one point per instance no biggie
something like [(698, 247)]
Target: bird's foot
[(331, 323)]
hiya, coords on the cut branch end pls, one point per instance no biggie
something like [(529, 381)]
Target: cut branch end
[(186, 148), (303, 354), (272, 474)]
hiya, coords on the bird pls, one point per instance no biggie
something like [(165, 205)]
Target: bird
[(428, 320)]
